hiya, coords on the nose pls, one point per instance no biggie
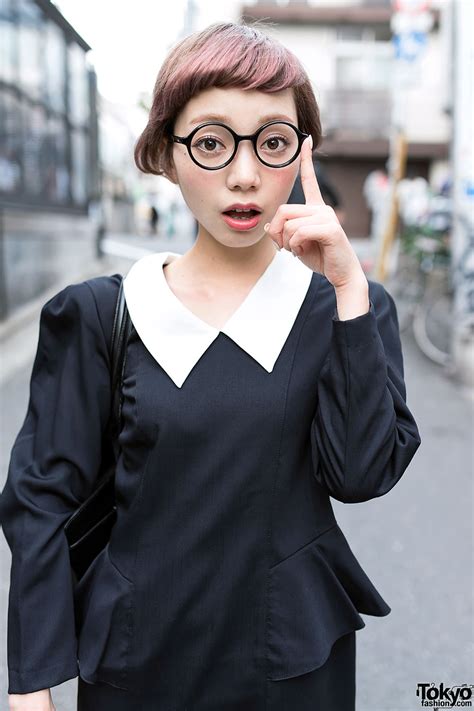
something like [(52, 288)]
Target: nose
[(244, 170)]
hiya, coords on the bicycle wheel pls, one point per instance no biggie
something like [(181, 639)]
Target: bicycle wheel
[(406, 287), (432, 327)]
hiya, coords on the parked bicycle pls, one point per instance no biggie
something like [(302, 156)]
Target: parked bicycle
[(421, 279)]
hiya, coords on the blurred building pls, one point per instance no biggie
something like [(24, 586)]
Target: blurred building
[(119, 127), (48, 151), (347, 49)]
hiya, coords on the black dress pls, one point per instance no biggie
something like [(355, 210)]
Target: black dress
[(227, 583), (332, 686)]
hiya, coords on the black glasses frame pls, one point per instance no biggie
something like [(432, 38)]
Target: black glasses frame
[(186, 140)]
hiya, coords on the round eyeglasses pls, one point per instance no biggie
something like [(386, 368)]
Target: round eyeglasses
[(213, 145)]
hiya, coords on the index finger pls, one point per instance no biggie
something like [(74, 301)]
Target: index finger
[(309, 181)]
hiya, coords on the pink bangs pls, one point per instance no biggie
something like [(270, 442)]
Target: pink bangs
[(228, 55)]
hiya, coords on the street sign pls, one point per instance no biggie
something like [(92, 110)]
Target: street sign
[(409, 45)]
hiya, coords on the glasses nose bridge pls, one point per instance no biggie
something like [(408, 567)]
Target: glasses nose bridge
[(250, 137)]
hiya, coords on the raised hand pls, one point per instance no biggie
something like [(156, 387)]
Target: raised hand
[(313, 233)]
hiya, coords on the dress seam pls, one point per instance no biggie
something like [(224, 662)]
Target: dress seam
[(268, 578), (349, 413)]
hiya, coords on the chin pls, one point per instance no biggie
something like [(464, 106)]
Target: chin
[(232, 239)]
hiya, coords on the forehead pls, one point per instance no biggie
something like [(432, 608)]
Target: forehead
[(243, 110)]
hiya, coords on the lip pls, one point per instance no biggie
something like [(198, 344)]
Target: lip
[(241, 224), (242, 206)]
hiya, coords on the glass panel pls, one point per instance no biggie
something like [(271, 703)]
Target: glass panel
[(10, 143), (54, 167), (78, 86), (349, 32), (79, 147), (55, 67), (381, 76), (383, 33), (35, 128), (30, 46), (372, 72), (8, 41), (364, 33)]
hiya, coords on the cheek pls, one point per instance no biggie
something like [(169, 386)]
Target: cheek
[(196, 185), (282, 181)]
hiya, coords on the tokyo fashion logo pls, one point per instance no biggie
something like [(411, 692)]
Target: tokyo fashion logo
[(441, 696)]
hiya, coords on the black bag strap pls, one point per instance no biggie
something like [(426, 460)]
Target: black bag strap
[(120, 335), (74, 527)]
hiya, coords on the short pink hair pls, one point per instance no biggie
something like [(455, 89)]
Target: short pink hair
[(225, 54)]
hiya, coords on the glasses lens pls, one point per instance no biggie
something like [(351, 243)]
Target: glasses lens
[(212, 146), (277, 144)]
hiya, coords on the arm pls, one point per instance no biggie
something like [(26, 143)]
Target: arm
[(54, 462), (37, 700), (363, 436)]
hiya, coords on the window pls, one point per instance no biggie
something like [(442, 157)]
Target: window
[(30, 48), (55, 58), (80, 162), (55, 173), (10, 143), (45, 109), (359, 72), (78, 86), (8, 42), (34, 122), (350, 33), (363, 33)]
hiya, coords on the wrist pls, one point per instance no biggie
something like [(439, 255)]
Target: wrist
[(356, 280), (353, 299)]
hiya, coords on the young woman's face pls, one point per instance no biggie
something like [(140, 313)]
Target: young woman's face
[(208, 193)]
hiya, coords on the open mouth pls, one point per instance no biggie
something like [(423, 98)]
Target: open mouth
[(242, 214)]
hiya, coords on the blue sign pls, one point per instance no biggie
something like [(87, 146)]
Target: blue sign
[(409, 45)]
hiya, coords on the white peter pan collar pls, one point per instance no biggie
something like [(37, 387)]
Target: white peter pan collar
[(177, 338)]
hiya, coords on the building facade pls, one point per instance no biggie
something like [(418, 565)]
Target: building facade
[(48, 151)]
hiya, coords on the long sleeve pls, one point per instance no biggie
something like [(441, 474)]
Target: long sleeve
[(54, 461), (363, 436)]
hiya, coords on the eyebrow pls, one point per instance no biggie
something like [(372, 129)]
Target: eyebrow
[(226, 119)]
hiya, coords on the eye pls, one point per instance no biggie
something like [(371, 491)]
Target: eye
[(273, 143), (208, 144)]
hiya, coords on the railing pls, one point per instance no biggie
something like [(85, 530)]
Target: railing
[(359, 112)]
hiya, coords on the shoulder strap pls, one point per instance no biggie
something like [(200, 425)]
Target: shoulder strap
[(120, 334)]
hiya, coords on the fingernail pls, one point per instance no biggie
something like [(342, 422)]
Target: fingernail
[(265, 227), (311, 141)]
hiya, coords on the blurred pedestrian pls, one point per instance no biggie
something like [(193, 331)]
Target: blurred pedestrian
[(154, 219), (171, 220)]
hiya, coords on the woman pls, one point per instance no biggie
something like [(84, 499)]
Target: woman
[(264, 374)]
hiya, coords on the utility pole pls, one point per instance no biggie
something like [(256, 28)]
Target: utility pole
[(462, 157), (410, 23)]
